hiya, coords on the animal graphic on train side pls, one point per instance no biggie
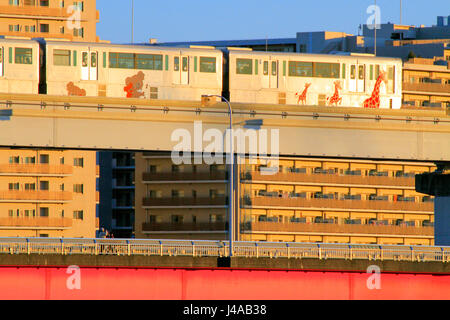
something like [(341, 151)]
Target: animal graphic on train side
[(374, 100), (302, 96), (174, 73), (335, 98)]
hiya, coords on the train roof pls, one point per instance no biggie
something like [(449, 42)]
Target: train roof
[(129, 47), (349, 56)]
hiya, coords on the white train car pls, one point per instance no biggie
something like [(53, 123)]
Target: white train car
[(19, 66), (315, 79), (147, 72)]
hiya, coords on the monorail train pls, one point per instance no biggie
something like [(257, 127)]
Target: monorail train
[(155, 72)]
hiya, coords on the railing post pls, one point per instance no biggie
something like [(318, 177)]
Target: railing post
[(62, 246), (257, 251), (381, 253), (320, 252), (412, 253), (443, 254), (288, 251), (129, 247), (160, 248), (28, 247), (193, 248), (351, 252), (95, 247)]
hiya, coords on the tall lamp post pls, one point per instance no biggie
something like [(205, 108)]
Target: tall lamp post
[(231, 193)]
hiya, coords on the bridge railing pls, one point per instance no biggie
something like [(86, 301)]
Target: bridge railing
[(204, 248)]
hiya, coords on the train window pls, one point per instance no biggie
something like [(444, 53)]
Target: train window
[(361, 73), (167, 62), (121, 60), (149, 61), (195, 64), (74, 58), (85, 60), (266, 68), (176, 64), (24, 56), (104, 59), (343, 71), (371, 72), (391, 73), (61, 57), (353, 72), (256, 67), (326, 70), (377, 71), (274, 68), (300, 69), (284, 68), (208, 64), (244, 66), (93, 60), (185, 64)]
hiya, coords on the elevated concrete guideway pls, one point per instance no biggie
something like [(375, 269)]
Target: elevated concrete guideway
[(136, 124)]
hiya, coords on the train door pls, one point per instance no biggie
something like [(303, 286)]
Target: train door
[(265, 77), (89, 65), (352, 84), (361, 82), (273, 74), (1, 62), (184, 70)]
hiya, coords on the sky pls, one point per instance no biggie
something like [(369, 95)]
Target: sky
[(200, 20)]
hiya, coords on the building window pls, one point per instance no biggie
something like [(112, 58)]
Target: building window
[(13, 2), (44, 185), (78, 32), (61, 3), (44, 159), (14, 160), (79, 6), (177, 193), (177, 219), (78, 215), (29, 2), (30, 160), (30, 186), (43, 212), (78, 188), (44, 28), (61, 30), (44, 3), (23, 56), (14, 186), (78, 162)]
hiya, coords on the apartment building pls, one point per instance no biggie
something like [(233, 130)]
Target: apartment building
[(335, 201), (426, 82), (48, 193), (187, 201), (61, 19)]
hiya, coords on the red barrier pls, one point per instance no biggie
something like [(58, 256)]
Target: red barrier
[(221, 284)]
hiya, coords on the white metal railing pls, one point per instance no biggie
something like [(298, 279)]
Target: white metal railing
[(204, 248)]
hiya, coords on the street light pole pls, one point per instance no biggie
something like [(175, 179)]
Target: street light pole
[(132, 21), (231, 178)]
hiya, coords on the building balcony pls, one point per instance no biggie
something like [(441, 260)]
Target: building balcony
[(41, 35), (35, 169), (331, 228), (338, 205), (35, 196), (429, 88), (331, 179), (36, 223), (25, 11), (188, 227), (185, 202), (149, 177)]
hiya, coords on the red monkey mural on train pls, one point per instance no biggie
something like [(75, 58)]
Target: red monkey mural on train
[(134, 85), (302, 96), (335, 98), (374, 100)]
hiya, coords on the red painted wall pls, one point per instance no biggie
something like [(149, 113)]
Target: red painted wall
[(220, 284)]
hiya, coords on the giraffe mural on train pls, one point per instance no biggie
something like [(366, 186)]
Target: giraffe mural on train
[(335, 98), (374, 100), (302, 96)]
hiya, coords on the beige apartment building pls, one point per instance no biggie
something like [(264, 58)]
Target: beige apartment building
[(306, 200), (48, 193), (426, 82), (188, 201), (61, 19)]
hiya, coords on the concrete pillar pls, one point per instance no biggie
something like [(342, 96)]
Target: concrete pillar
[(442, 221)]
